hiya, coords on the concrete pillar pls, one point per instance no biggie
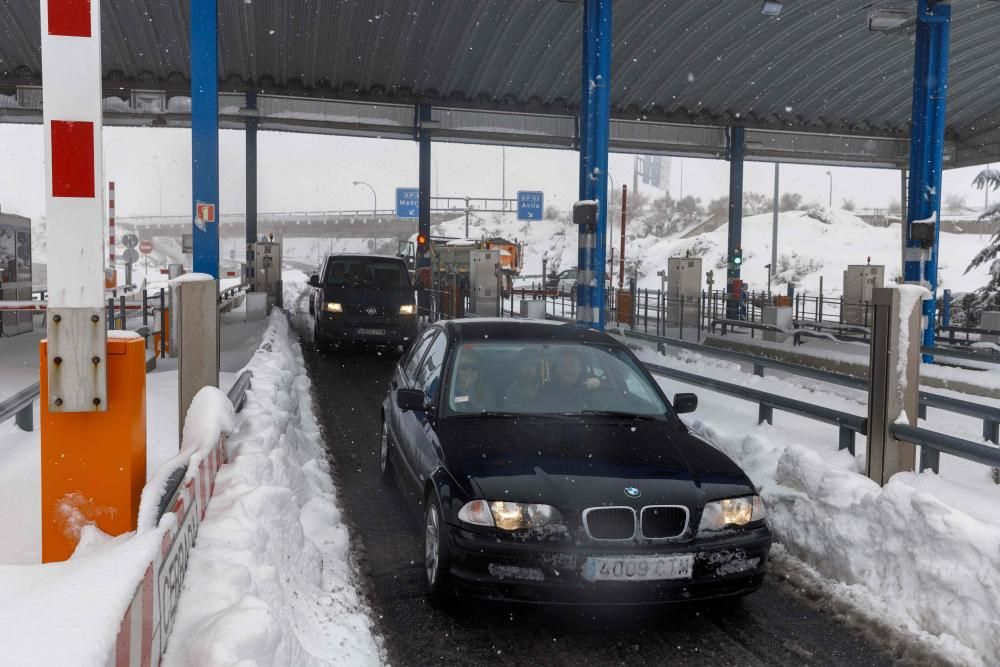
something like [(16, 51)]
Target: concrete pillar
[(195, 319), (894, 380)]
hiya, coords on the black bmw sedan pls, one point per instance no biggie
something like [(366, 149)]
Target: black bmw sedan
[(550, 467)]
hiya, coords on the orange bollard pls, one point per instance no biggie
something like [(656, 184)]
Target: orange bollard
[(94, 463)]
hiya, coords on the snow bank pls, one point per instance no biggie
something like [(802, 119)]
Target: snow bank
[(813, 245), (269, 580), (934, 567), (920, 556)]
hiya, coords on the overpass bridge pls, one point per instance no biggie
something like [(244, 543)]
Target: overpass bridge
[(310, 224)]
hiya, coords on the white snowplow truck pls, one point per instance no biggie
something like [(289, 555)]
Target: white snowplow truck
[(452, 255)]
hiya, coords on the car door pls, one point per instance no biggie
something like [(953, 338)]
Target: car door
[(418, 425), (403, 378)]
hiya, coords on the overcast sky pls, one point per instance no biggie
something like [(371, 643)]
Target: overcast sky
[(300, 172)]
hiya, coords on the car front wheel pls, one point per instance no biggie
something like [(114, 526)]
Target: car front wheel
[(436, 555)]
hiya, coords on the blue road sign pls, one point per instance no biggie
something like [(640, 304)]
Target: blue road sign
[(530, 205), (407, 202)]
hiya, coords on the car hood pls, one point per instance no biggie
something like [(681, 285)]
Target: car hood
[(578, 463)]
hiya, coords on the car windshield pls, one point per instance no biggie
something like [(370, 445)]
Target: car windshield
[(365, 272), (541, 377)]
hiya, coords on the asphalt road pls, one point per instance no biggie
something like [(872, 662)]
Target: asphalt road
[(776, 626)]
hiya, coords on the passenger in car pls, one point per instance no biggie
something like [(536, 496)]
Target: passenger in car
[(524, 389), (471, 393)]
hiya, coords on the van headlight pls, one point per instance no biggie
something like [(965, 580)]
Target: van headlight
[(731, 513), (407, 309), (332, 307)]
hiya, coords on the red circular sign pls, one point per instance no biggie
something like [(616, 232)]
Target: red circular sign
[(145, 247)]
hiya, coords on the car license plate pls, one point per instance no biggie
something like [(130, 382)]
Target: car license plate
[(638, 568), (371, 332)]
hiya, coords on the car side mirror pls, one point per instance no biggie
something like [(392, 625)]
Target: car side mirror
[(314, 280), (685, 403), (410, 399)]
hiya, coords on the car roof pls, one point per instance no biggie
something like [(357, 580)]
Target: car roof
[(470, 329), (359, 255)]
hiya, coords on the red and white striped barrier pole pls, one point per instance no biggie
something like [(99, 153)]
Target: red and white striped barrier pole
[(71, 86), (93, 442)]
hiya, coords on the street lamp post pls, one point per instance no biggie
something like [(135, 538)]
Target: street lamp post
[(374, 197), (831, 188)]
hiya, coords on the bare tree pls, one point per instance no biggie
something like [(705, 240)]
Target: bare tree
[(848, 205), (955, 203), (790, 201)]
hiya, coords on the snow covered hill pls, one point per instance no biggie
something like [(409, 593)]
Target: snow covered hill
[(808, 248)]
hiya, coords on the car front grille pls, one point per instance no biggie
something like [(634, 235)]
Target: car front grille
[(370, 311), (663, 522), (610, 523)]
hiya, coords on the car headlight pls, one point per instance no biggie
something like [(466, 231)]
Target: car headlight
[(507, 515), (731, 512), (407, 309), (333, 307)]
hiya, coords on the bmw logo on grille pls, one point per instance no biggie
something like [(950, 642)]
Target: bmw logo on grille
[(371, 310), (632, 492)]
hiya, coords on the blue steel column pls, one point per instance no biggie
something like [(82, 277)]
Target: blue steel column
[(594, 131), (251, 169), (424, 200), (737, 146), (930, 93), (205, 132)]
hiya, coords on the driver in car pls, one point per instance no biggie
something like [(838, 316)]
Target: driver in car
[(570, 384)]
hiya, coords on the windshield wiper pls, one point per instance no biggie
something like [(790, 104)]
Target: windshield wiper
[(491, 414), (615, 414), (486, 414)]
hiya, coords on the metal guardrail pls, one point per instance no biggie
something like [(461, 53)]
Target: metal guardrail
[(19, 405), (988, 414), (932, 444), (847, 423)]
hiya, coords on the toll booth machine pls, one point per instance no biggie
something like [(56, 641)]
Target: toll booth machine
[(15, 272), (859, 281), (264, 267), (683, 291)]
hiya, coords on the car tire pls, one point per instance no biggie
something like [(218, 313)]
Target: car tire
[(384, 462), (437, 561)]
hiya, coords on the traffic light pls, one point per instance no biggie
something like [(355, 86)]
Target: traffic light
[(738, 258), (421, 243)]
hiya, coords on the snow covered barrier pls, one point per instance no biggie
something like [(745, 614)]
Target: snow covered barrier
[(269, 580), (176, 514)]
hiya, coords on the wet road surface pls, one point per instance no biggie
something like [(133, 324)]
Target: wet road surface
[(775, 626)]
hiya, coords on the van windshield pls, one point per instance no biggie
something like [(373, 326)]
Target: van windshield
[(366, 272)]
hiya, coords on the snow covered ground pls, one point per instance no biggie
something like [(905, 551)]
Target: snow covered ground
[(921, 554), (270, 580), (807, 249)]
